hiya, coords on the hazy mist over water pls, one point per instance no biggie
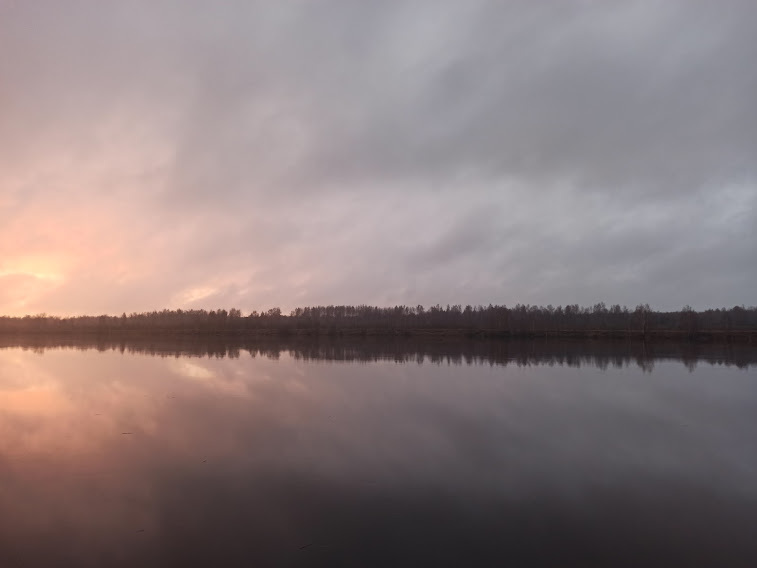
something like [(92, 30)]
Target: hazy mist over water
[(125, 458)]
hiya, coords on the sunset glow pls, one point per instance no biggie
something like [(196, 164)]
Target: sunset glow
[(352, 283), (392, 164)]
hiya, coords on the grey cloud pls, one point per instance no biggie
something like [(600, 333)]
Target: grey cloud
[(401, 151), (653, 97), (612, 94)]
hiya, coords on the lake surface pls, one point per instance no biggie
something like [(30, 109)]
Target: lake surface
[(371, 453)]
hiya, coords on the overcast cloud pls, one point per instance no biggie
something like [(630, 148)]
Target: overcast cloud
[(215, 154)]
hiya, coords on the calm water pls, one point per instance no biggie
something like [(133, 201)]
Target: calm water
[(376, 454)]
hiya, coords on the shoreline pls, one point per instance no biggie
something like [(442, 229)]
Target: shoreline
[(655, 335)]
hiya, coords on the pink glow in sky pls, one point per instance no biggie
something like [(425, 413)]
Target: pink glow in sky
[(257, 154)]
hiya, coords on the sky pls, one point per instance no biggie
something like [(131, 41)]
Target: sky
[(196, 154)]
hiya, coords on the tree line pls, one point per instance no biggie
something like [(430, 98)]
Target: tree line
[(491, 320)]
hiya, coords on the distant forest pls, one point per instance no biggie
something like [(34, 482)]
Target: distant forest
[(475, 321)]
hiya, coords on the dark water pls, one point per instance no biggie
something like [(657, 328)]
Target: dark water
[(408, 453)]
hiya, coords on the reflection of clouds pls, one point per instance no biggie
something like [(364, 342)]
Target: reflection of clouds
[(200, 428), (67, 471), (51, 404), (30, 397), (219, 380), (35, 402), (192, 370), (18, 370)]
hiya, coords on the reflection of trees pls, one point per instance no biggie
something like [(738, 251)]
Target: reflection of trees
[(525, 320), (416, 350)]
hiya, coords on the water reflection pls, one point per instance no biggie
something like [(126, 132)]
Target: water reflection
[(457, 351), (113, 457)]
